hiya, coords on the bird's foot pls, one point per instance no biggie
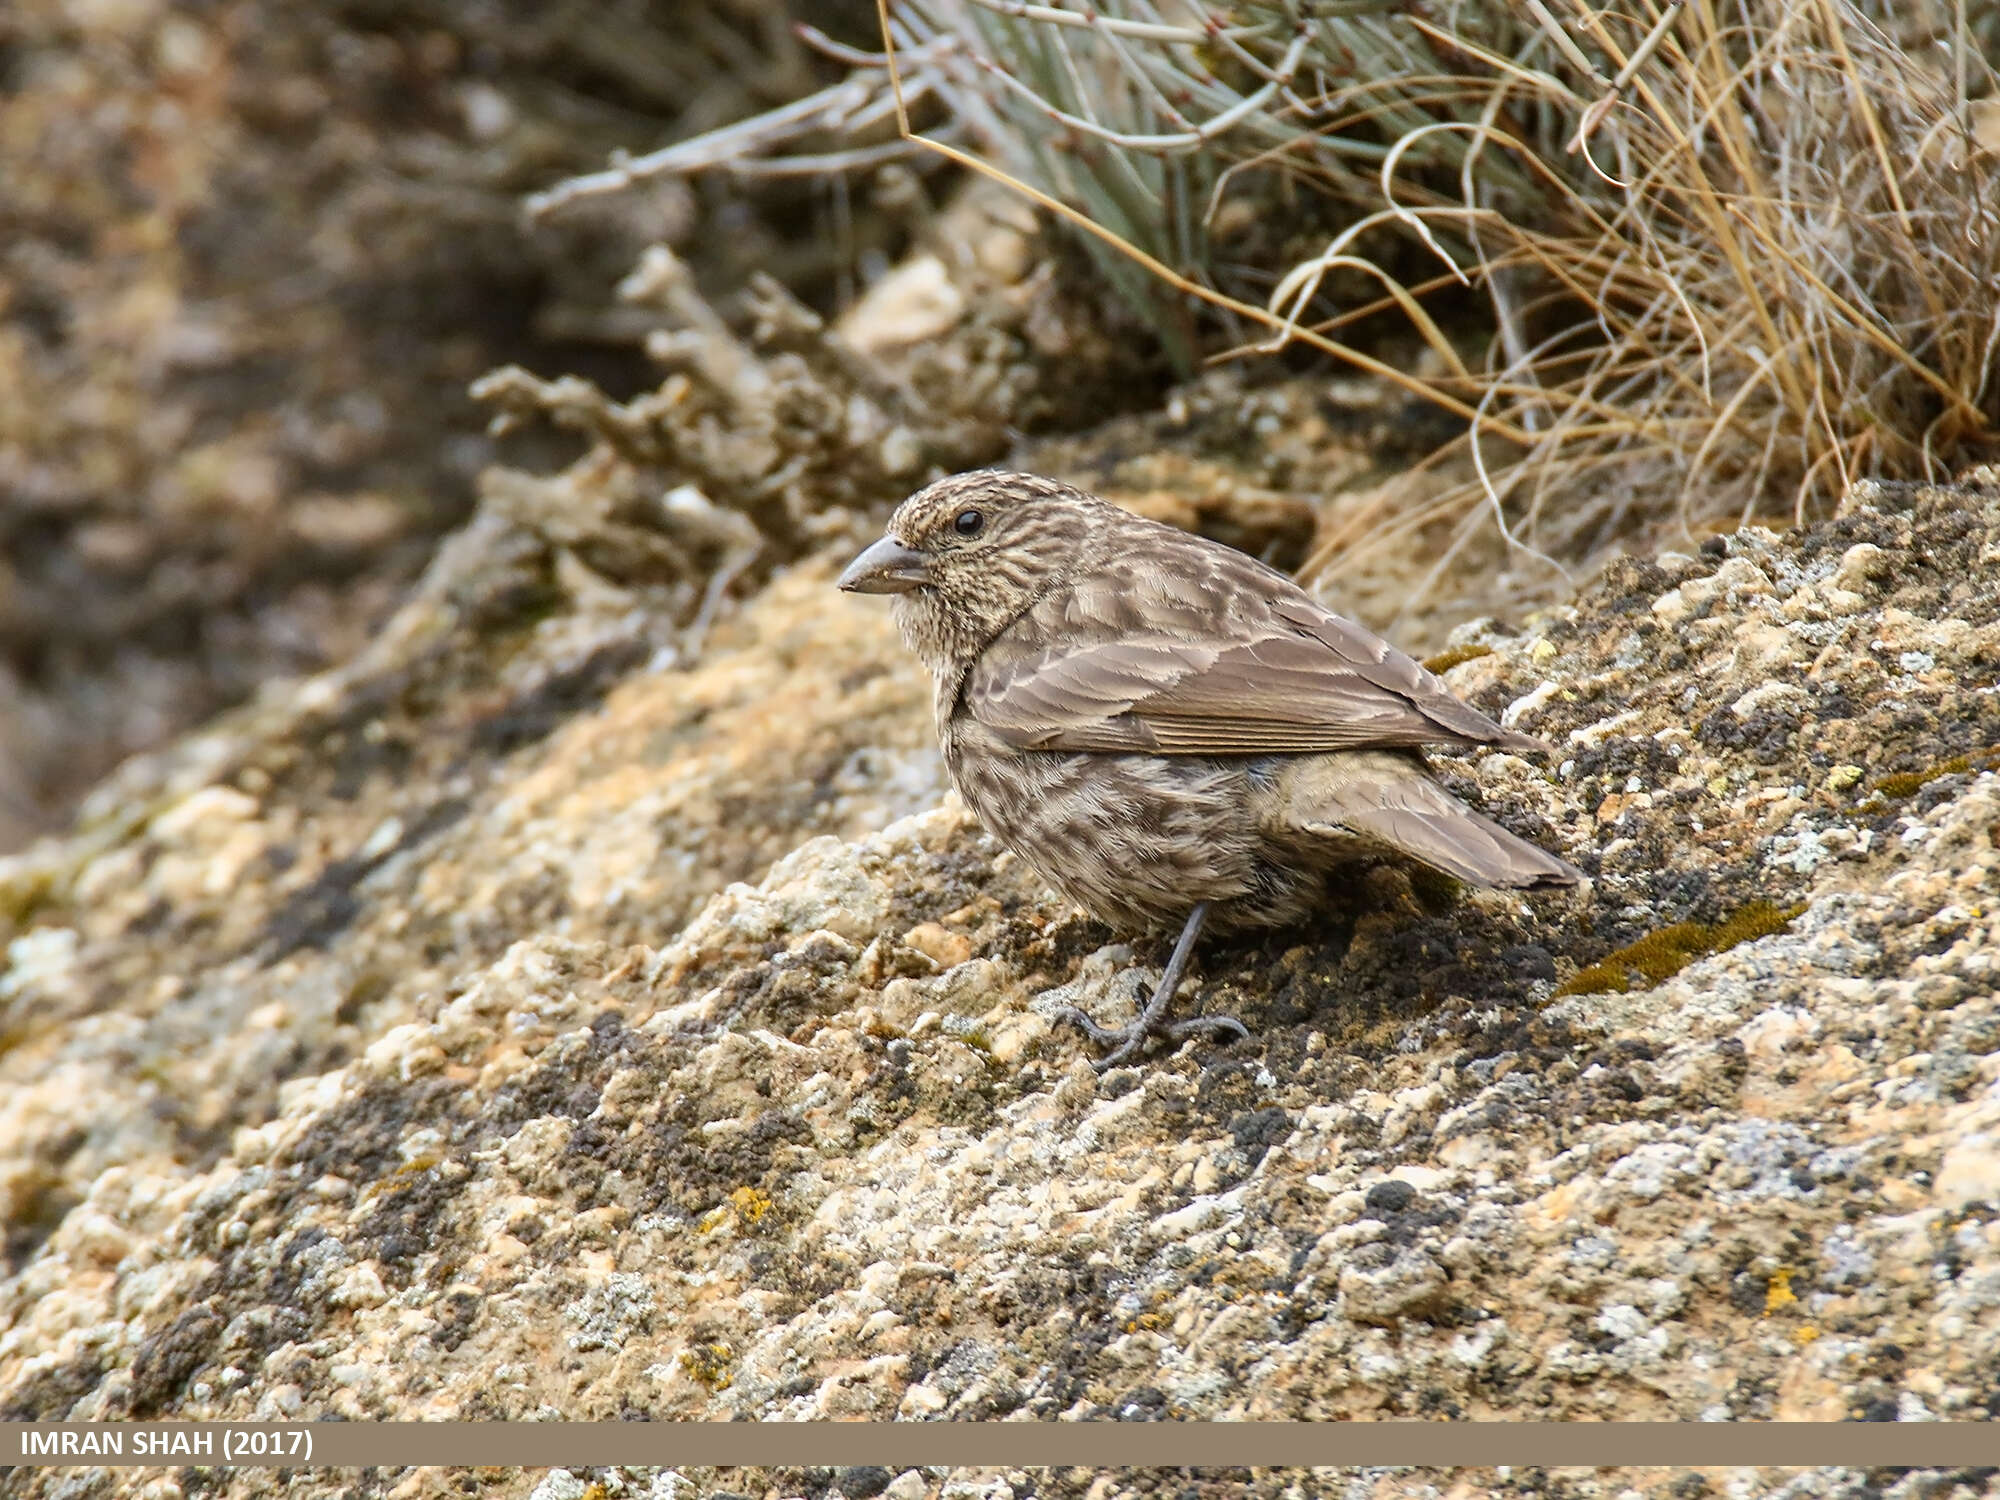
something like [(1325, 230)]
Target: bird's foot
[(1126, 1041)]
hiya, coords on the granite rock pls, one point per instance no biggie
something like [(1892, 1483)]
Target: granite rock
[(528, 1021)]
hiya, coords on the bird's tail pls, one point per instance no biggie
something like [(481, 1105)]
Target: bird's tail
[(1387, 798)]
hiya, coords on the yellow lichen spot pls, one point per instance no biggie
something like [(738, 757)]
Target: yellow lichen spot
[(416, 1166), (707, 1365), (1778, 1294), (1658, 956), (1444, 661), (1542, 650), (1840, 778), (1718, 786), (1804, 1334), (750, 1204)]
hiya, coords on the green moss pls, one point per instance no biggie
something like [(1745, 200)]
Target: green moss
[(1444, 661), (1909, 783), (1658, 956)]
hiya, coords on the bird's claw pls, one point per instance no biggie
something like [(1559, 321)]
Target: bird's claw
[(1127, 1041), (1081, 1019), (1227, 1026)]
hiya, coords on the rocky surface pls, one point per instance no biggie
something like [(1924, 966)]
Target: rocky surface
[(551, 1013), (865, 1482), (1269, 1483)]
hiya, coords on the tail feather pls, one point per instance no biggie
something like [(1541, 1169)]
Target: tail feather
[(1389, 799)]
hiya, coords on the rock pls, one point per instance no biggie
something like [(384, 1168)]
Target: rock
[(1970, 1171), (916, 301), (1406, 1285), (587, 1034)]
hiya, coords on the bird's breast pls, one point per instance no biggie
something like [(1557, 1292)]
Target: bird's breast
[(1134, 839)]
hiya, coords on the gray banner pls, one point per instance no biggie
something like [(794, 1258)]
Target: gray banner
[(1005, 1444)]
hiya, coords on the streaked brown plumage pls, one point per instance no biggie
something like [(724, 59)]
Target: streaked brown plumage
[(1164, 728)]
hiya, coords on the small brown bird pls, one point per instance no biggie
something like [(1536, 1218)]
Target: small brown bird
[(1167, 731)]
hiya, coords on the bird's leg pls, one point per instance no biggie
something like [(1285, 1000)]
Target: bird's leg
[(1127, 1040)]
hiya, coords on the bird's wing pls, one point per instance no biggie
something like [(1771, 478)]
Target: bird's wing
[(1226, 658), (1387, 796)]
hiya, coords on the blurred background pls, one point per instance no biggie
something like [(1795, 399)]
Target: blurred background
[(251, 257)]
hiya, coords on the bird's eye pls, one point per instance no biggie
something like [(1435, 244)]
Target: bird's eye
[(968, 523)]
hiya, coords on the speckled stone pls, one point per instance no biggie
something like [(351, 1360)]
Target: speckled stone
[(487, 1128)]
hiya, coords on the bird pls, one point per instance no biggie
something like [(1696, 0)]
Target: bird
[(1170, 733)]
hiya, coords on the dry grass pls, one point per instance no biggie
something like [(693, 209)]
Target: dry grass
[(1725, 257), (1764, 263)]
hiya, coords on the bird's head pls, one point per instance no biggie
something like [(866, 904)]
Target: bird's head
[(966, 555)]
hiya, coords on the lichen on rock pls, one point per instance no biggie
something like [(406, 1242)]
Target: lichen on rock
[(525, 1019)]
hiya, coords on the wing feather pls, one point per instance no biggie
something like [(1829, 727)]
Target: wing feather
[(1224, 657)]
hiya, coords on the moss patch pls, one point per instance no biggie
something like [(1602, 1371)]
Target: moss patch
[(1909, 783), (1658, 956), (1444, 661)]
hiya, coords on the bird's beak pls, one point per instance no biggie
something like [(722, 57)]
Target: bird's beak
[(886, 567)]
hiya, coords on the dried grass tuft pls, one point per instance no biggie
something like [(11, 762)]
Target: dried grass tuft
[(1726, 257), (1734, 256)]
